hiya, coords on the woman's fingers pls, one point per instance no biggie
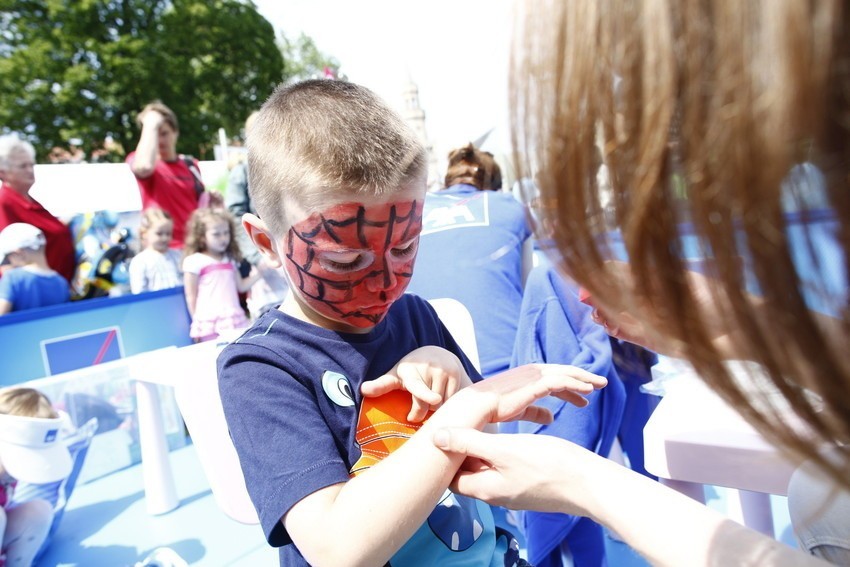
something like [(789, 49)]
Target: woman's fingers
[(467, 442)]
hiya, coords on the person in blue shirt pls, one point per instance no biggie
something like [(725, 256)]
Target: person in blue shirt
[(476, 248), (30, 283), (555, 327)]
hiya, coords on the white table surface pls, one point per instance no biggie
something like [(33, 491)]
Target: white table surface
[(694, 438)]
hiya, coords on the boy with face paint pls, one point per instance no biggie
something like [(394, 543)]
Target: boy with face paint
[(325, 396)]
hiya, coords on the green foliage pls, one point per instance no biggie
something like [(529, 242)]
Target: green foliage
[(303, 60), (84, 68)]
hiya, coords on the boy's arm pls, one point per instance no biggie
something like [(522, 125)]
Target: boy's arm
[(367, 519)]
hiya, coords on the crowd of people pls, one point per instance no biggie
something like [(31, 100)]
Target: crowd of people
[(365, 408), (205, 251)]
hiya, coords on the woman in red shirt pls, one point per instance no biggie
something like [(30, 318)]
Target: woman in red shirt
[(17, 172)]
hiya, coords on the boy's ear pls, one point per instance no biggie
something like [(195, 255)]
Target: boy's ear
[(262, 238)]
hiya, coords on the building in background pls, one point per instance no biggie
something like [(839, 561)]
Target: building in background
[(414, 115)]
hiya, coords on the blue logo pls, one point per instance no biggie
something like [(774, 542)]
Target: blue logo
[(50, 436), (448, 212), (337, 388)]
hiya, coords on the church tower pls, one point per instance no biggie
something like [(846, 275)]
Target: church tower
[(414, 115)]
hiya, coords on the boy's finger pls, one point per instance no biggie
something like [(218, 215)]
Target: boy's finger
[(537, 414), (572, 397), (380, 386), (580, 378), (421, 392), (534, 414), (555, 373), (418, 411)]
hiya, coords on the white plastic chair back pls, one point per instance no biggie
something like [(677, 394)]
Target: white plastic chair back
[(455, 316)]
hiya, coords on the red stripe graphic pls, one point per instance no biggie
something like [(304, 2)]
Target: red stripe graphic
[(110, 336)]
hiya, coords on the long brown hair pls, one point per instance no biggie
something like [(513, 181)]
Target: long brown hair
[(474, 167), (196, 229), (704, 113)]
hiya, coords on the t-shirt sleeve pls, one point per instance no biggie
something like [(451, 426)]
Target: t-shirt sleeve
[(193, 263), (284, 445)]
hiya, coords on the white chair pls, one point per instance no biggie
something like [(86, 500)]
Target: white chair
[(455, 316), (200, 404)]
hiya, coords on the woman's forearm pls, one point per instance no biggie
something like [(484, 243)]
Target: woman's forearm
[(669, 528)]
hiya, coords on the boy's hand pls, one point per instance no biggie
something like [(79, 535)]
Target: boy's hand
[(509, 395), (431, 374)]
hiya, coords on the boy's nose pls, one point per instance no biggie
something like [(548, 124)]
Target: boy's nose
[(383, 280)]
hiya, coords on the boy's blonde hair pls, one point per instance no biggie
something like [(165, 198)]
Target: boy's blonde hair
[(196, 230), (151, 218), (26, 402), (320, 138)]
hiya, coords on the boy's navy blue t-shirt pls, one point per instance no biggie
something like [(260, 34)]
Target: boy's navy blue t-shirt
[(291, 396)]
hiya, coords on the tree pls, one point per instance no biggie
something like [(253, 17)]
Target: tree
[(85, 68), (303, 60)]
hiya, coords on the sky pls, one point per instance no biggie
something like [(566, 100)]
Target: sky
[(456, 51)]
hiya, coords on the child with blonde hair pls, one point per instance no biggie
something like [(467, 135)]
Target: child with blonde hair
[(30, 451), (157, 266), (211, 276)]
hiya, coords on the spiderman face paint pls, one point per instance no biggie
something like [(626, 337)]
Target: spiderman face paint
[(350, 262)]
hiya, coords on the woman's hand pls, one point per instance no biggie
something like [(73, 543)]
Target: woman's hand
[(521, 472)]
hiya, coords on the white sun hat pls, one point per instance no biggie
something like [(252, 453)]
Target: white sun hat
[(20, 235), (30, 449)]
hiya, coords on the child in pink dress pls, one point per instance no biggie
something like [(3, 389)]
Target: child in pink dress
[(211, 278)]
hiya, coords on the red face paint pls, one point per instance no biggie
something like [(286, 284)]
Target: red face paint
[(350, 262)]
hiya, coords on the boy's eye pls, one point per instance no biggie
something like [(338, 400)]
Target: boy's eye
[(345, 261), (406, 249)]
